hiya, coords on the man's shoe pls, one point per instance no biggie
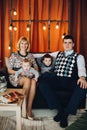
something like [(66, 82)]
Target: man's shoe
[(58, 117), (64, 121)]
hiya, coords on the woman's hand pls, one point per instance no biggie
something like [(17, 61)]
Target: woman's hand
[(31, 75), (10, 71), (82, 82), (23, 74)]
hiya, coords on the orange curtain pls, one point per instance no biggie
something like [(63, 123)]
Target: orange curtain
[(4, 32), (75, 22), (40, 40), (0, 38), (43, 40), (78, 28), (35, 10)]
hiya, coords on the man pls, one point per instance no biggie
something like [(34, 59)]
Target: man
[(70, 73)]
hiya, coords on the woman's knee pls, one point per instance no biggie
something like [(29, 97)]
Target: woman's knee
[(25, 82)]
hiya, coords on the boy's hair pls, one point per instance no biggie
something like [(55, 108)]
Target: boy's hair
[(47, 56), (26, 60), (69, 37)]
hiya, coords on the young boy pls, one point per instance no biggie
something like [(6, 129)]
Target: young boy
[(27, 71), (46, 64)]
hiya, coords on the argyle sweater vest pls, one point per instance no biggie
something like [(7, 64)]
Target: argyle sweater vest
[(66, 66)]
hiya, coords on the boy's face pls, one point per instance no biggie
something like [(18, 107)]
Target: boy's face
[(47, 61), (26, 66), (68, 44)]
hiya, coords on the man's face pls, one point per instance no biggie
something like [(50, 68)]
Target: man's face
[(47, 61), (68, 44)]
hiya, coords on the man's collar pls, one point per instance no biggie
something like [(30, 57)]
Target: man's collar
[(68, 52)]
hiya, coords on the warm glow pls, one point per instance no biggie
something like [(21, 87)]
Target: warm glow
[(57, 26), (15, 28), (14, 12), (63, 35), (9, 48), (44, 26), (28, 27), (10, 27)]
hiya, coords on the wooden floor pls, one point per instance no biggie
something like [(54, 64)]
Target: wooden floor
[(43, 120)]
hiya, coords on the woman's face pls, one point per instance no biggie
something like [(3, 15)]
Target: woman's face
[(23, 46)]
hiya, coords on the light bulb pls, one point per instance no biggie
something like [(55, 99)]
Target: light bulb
[(28, 27), (10, 27), (57, 26), (44, 26), (9, 48), (15, 28), (63, 35), (14, 12)]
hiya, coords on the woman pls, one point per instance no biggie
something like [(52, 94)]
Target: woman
[(15, 62)]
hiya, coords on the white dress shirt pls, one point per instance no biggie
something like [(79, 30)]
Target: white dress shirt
[(80, 63)]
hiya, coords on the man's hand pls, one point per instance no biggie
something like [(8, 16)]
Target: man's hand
[(82, 82)]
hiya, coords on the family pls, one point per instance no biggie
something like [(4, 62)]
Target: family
[(66, 71)]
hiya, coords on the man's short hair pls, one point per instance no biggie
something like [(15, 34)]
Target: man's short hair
[(69, 37)]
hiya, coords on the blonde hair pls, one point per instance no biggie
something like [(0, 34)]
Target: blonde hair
[(23, 39)]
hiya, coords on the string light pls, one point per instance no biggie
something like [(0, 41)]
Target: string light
[(10, 27), (15, 28), (63, 35), (44, 26), (28, 27), (9, 48), (57, 25), (14, 12)]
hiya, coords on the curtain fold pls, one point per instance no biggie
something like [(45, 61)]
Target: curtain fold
[(78, 28), (0, 36), (83, 29), (75, 19)]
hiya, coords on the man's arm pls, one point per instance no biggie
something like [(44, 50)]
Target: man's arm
[(81, 72)]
